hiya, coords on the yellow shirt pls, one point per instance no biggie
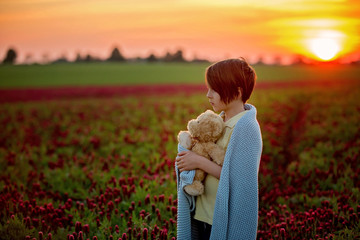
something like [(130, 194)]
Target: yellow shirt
[(205, 203)]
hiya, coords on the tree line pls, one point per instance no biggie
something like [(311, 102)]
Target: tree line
[(115, 56)]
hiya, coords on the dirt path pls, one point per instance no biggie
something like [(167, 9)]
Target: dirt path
[(49, 93)]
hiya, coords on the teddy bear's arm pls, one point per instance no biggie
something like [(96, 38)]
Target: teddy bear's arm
[(216, 153)]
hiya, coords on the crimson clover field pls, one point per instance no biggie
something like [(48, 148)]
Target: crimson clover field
[(103, 167)]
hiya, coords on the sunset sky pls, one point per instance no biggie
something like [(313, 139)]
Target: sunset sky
[(319, 29)]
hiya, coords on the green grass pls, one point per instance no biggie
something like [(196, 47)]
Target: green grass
[(22, 76)]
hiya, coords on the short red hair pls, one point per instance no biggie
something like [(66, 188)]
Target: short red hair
[(225, 77)]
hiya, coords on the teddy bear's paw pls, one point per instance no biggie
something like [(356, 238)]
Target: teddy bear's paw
[(219, 161), (184, 139), (195, 189)]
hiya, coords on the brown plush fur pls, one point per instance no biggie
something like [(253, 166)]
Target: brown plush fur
[(200, 138)]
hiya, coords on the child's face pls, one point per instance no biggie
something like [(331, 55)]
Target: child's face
[(215, 100)]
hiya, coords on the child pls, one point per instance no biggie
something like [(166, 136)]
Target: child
[(228, 209)]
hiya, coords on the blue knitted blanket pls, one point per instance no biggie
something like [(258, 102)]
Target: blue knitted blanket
[(236, 206)]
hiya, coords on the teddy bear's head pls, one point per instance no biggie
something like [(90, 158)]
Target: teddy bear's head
[(207, 127)]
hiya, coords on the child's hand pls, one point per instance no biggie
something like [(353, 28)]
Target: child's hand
[(188, 160)]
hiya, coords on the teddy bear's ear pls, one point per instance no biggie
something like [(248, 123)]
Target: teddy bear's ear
[(209, 111)]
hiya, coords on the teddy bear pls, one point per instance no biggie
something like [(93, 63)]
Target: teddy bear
[(200, 137)]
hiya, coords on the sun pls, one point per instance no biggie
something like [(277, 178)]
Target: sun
[(325, 49)]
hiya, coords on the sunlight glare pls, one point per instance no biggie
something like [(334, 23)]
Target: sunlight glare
[(324, 48)]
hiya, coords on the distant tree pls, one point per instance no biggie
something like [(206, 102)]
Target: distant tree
[(10, 57), (260, 61), (298, 60), (62, 59), (168, 57), (116, 56), (89, 58), (178, 56), (138, 59), (151, 58), (78, 58)]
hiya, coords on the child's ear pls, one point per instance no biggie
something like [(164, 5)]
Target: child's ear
[(239, 92)]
